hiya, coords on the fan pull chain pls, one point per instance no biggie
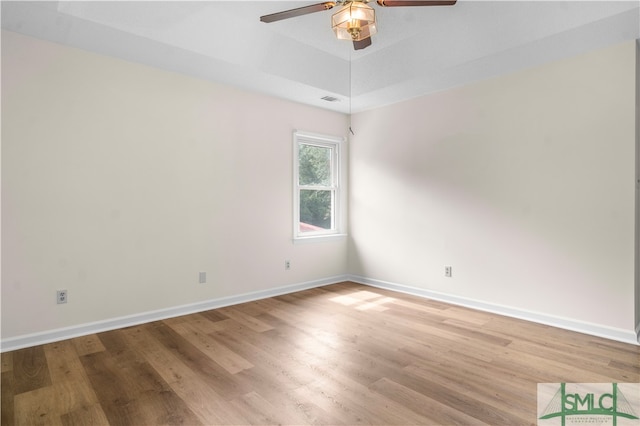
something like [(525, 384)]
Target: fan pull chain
[(350, 92)]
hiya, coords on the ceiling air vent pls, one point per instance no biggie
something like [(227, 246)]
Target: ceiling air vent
[(329, 98)]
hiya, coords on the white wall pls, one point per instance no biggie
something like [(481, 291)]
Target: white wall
[(637, 298), (524, 184), (121, 182)]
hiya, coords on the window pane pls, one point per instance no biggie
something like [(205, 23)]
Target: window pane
[(315, 165), (315, 210)]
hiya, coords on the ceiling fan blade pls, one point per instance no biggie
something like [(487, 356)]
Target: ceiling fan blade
[(394, 3), (292, 13), (359, 45)]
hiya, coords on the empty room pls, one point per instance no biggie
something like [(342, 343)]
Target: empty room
[(345, 212)]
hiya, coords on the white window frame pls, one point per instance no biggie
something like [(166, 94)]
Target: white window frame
[(336, 144)]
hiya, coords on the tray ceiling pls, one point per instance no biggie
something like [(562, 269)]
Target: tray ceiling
[(418, 50)]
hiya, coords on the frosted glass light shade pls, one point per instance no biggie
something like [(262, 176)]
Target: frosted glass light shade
[(356, 21)]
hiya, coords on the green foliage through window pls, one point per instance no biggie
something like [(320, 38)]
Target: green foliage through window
[(315, 165), (315, 209)]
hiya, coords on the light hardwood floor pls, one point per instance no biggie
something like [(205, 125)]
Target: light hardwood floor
[(340, 354)]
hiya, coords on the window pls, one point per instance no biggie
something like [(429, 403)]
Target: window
[(317, 192)]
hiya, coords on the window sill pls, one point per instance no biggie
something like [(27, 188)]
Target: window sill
[(319, 238)]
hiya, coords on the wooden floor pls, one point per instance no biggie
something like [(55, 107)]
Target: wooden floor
[(341, 354)]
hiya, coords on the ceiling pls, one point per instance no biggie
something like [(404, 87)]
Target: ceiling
[(418, 50)]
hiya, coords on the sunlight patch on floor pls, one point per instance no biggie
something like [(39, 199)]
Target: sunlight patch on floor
[(363, 300), (376, 305)]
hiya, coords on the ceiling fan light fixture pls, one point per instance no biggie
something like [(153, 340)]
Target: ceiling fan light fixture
[(355, 21)]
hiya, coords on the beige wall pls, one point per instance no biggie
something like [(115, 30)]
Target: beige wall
[(121, 182), (524, 184)]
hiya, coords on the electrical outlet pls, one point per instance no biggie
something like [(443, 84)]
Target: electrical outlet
[(61, 296), (202, 277), (448, 272), (287, 264)]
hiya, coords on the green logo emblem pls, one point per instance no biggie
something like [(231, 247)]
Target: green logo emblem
[(594, 403)]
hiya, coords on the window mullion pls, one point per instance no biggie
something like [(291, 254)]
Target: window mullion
[(318, 188)]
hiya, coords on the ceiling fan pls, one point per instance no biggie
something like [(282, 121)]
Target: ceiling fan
[(355, 20)]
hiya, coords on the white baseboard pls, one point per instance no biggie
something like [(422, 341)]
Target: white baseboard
[(621, 335), (19, 342), (56, 335)]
